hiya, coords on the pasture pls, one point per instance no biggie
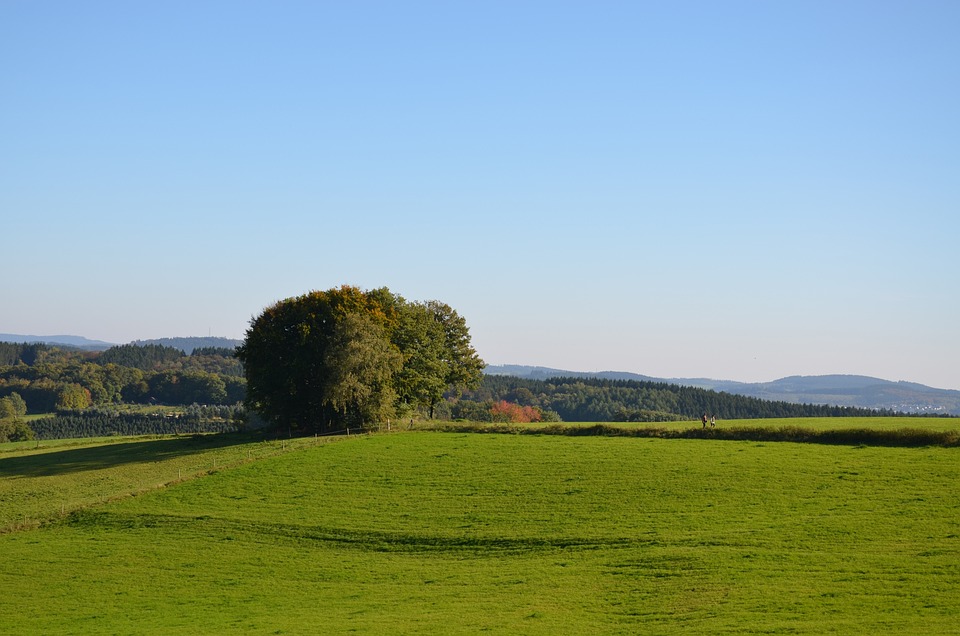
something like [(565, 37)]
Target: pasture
[(773, 423), (431, 532), (41, 481)]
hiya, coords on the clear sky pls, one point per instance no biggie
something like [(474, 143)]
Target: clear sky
[(740, 190)]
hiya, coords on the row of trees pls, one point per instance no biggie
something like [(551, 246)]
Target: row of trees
[(600, 400), (100, 422), (346, 356)]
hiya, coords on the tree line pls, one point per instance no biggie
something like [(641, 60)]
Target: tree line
[(603, 400), (103, 422)]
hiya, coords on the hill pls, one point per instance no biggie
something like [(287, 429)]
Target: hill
[(834, 390), (593, 399), (71, 341), (187, 345)]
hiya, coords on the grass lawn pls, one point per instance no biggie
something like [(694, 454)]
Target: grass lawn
[(427, 532)]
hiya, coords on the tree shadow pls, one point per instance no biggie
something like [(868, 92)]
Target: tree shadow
[(72, 460)]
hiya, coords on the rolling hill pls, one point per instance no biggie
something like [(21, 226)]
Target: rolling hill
[(71, 341), (187, 345)]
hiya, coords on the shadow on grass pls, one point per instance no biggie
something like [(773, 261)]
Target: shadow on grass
[(71, 460), (362, 539), (905, 437)]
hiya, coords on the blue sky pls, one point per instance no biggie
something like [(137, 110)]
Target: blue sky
[(737, 190)]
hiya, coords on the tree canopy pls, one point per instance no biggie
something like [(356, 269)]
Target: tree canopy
[(346, 356)]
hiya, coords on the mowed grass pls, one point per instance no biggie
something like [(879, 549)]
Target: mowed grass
[(40, 481), (427, 532)]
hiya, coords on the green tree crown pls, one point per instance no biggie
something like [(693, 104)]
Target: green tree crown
[(345, 356)]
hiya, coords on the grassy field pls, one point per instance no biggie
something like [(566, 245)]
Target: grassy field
[(814, 423), (846, 432), (428, 532), (41, 481)]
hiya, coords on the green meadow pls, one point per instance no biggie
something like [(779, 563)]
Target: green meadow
[(445, 532), (40, 481), (772, 423)]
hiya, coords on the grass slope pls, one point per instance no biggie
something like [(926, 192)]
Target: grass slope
[(40, 481), (808, 430), (880, 424), (428, 532)]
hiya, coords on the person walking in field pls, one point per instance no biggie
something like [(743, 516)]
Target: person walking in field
[(713, 421), (704, 420)]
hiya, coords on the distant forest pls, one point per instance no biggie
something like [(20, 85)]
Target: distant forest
[(600, 400), (52, 378)]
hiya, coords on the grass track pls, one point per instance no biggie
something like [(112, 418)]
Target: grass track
[(452, 533)]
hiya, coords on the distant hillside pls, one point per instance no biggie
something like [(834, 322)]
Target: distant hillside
[(187, 345), (72, 341), (835, 390), (852, 390), (579, 399)]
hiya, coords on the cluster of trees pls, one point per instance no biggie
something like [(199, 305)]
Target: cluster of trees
[(500, 411), (504, 411), (601, 400), (50, 378), (346, 357), (144, 357), (12, 407), (16, 353), (12, 426)]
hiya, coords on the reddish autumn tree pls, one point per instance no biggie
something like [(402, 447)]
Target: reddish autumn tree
[(504, 411)]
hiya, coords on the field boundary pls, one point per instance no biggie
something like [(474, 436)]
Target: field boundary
[(903, 437)]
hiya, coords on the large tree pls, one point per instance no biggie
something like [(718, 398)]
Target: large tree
[(344, 356), (362, 363), (439, 356)]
